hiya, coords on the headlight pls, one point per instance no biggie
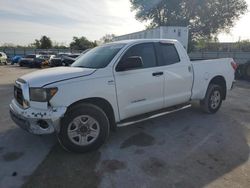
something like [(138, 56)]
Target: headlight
[(42, 94)]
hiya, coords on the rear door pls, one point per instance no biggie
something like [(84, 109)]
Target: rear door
[(140, 91), (178, 75)]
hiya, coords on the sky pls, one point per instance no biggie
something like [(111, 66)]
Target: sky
[(23, 21)]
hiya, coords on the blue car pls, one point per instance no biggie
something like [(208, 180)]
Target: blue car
[(15, 59)]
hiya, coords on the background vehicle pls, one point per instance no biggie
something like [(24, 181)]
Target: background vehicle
[(15, 59), (57, 60), (3, 58), (40, 61), (27, 60), (69, 59), (116, 84), (34, 61)]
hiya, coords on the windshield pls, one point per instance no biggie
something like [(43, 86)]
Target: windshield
[(98, 57)]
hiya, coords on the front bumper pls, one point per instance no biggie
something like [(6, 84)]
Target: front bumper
[(30, 119)]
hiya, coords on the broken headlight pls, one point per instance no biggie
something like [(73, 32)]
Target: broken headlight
[(42, 94)]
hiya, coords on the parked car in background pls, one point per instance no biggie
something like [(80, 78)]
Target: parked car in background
[(15, 59), (56, 61), (113, 83), (34, 61), (3, 58), (27, 60), (40, 61), (46, 53), (69, 59)]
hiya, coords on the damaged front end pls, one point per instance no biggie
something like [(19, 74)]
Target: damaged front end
[(35, 120)]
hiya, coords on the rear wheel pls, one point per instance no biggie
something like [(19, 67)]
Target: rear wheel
[(84, 128), (213, 99)]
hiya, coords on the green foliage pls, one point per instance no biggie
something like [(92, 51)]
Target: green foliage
[(58, 45), (210, 44), (44, 43), (107, 38), (213, 45), (82, 43), (243, 45), (205, 18)]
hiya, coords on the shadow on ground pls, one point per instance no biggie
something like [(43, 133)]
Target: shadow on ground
[(184, 149)]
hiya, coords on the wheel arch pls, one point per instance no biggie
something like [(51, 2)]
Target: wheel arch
[(220, 80), (101, 103)]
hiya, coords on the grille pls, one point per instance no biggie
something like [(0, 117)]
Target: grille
[(18, 94)]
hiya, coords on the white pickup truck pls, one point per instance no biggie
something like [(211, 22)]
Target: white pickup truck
[(113, 84)]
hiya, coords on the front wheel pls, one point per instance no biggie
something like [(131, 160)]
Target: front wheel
[(213, 99), (84, 128)]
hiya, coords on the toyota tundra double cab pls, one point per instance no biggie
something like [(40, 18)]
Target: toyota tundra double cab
[(113, 84)]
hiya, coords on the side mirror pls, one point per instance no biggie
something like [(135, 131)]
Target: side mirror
[(131, 63)]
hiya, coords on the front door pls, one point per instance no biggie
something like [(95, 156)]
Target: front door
[(141, 90)]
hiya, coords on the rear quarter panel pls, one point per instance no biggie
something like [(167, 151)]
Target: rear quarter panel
[(205, 71)]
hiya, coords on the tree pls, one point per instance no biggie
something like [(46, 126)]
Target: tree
[(205, 18), (243, 45), (107, 38), (82, 43), (36, 44), (60, 45), (44, 43)]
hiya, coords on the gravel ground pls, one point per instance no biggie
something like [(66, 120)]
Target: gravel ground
[(183, 149)]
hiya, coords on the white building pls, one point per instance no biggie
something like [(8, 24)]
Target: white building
[(163, 32)]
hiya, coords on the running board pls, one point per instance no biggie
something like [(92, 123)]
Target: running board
[(152, 115)]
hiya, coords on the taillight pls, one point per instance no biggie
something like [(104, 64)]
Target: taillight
[(234, 65)]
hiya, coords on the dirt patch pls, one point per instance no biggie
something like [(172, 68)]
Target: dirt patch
[(64, 169), (201, 163), (213, 158), (12, 156), (240, 110), (139, 152), (1, 149), (141, 139), (243, 84), (111, 166), (155, 167)]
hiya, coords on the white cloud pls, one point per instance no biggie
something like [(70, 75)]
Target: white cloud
[(63, 19), (22, 21)]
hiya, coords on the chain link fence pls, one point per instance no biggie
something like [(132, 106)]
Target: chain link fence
[(25, 51)]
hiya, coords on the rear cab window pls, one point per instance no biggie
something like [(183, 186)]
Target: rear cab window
[(167, 54)]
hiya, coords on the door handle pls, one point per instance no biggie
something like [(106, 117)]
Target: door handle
[(158, 73)]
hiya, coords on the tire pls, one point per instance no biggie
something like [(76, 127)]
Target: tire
[(81, 122), (213, 99)]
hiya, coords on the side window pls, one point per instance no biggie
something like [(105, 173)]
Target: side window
[(145, 51), (168, 54)]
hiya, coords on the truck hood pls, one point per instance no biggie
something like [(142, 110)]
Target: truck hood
[(47, 76)]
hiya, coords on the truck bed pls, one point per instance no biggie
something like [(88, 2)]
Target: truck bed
[(204, 70)]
